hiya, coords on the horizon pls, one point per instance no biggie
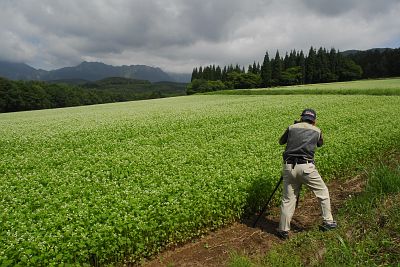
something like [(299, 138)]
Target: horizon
[(183, 73)]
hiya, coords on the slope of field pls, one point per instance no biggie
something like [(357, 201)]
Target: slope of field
[(361, 84), (368, 233), (362, 87), (121, 181)]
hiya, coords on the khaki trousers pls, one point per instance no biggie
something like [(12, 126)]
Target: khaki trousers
[(293, 178)]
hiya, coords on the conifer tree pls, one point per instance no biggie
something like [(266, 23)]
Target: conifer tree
[(286, 64), (194, 74), (250, 69), (206, 73), (292, 59), (266, 71), (200, 74), (255, 68), (218, 74), (301, 62), (224, 74), (213, 73), (323, 71), (333, 63), (310, 66), (276, 69)]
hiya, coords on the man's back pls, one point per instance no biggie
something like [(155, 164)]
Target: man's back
[(301, 138)]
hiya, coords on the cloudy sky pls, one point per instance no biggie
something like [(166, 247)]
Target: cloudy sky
[(178, 35)]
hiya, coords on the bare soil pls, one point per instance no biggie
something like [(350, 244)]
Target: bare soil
[(215, 248)]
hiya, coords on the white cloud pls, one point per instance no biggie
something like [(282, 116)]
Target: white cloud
[(180, 34)]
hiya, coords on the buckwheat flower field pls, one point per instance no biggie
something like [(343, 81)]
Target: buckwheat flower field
[(119, 182)]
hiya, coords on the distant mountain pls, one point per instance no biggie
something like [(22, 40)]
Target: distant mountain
[(181, 77), (352, 52), (94, 71), (89, 71), (19, 71), (349, 52)]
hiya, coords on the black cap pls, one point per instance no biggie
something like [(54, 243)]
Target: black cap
[(308, 114)]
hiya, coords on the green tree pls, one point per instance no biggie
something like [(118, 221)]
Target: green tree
[(224, 74), (255, 68), (394, 62), (292, 76), (349, 70), (333, 64), (36, 96), (5, 87), (194, 74), (323, 67), (276, 69), (266, 71), (301, 62), (285, 62), (244, 80), (250, 69), (292, 62), (202, 86), (311, 66), (218, 73), (206, 73), (200, 74)]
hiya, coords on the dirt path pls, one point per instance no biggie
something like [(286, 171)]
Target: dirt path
[(214, 248)]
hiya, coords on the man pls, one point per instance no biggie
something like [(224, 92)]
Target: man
[(301, 139)]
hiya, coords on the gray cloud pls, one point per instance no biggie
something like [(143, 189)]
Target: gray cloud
[(180, 34), (363, 8)]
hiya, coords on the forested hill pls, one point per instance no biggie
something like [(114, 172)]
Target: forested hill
[(31, 95), (90, 71), (378, 62), (317, 66)]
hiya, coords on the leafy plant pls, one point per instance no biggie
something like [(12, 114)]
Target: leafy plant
[(119, 182)]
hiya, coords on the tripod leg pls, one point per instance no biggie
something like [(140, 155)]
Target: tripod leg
[(269, 200), (298, 197)]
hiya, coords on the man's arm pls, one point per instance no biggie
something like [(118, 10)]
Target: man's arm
[(284, 137), (320, 141)]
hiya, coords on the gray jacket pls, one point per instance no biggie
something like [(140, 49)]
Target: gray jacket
[(301, 139)]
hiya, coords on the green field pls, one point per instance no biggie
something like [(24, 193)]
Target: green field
[(362, 87), (115, 182), (361, 84)]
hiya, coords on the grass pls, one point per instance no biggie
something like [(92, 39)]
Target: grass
[(368, 233), (238, 260), (362, 87), (392, 83), (120, 181)]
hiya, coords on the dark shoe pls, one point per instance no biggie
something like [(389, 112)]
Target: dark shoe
[(326, 226), (283, 235)]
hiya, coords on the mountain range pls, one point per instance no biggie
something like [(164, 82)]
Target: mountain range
[(89, 71), (94, 71)]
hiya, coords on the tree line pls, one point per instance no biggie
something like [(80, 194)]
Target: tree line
[(294, 68), (378, 63), (32, 95)]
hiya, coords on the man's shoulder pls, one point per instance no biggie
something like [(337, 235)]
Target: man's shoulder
[(304, 125)]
